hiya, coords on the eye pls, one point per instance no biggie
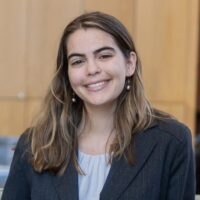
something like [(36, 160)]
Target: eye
[(76, 62), (105, 56)]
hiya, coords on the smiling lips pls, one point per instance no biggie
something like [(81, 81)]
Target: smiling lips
[(97, 86)]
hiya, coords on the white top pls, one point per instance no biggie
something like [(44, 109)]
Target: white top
[(96, 169)]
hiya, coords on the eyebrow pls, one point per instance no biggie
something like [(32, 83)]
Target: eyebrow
[(95, 52)]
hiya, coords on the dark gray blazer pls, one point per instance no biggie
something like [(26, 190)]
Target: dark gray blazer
[(163, 170)]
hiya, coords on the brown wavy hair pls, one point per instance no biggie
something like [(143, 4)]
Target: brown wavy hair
[(54, 134)]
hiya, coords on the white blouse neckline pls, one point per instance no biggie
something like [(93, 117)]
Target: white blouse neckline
[(96, 168)]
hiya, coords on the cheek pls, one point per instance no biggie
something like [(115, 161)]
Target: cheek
[(75, 78), (120, 65), (119, 70)]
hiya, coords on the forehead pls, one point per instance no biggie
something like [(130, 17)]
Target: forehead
[(90, 39)]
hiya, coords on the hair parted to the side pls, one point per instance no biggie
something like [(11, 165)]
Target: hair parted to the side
[(54, 134)]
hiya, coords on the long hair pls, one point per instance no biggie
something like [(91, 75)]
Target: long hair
[(54, 135)]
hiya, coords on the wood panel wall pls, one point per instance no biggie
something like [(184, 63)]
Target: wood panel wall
[(30, 31), (167, 36), (165, 33)]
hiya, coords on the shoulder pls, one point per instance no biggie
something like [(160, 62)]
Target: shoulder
[(24, 138), (23, 146), (166, 135), (169, 138), (20, 162), (171, 128)]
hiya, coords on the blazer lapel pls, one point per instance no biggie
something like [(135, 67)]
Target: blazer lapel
[(121, 173), (67, 184)]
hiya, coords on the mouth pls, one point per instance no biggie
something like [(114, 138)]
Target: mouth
[(97, 86)]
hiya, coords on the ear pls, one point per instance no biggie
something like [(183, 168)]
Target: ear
[(131, 64)]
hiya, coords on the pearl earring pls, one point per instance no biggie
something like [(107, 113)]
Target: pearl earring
[(128, 86), (73, 98)]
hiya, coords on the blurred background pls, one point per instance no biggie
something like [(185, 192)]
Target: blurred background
[(166, 34)]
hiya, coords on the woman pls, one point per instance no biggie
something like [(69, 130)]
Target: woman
[(97, 136)]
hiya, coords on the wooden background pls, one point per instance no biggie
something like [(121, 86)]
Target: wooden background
[(165, 33)]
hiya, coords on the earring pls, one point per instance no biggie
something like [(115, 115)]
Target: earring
[(73, 98), (128, 86)]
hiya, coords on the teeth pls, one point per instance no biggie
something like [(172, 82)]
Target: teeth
[(96, 86)]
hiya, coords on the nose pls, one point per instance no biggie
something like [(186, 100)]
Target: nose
[(92, 67)]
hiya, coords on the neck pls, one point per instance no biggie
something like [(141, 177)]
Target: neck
[(99, 120), (96, 130)]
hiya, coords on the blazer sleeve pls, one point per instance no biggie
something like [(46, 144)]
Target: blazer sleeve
[(182, 184), (17, 185)]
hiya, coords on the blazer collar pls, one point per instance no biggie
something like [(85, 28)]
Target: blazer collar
[(67, 184), (120, 175)]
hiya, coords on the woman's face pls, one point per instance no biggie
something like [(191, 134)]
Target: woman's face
[(97, 68)]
